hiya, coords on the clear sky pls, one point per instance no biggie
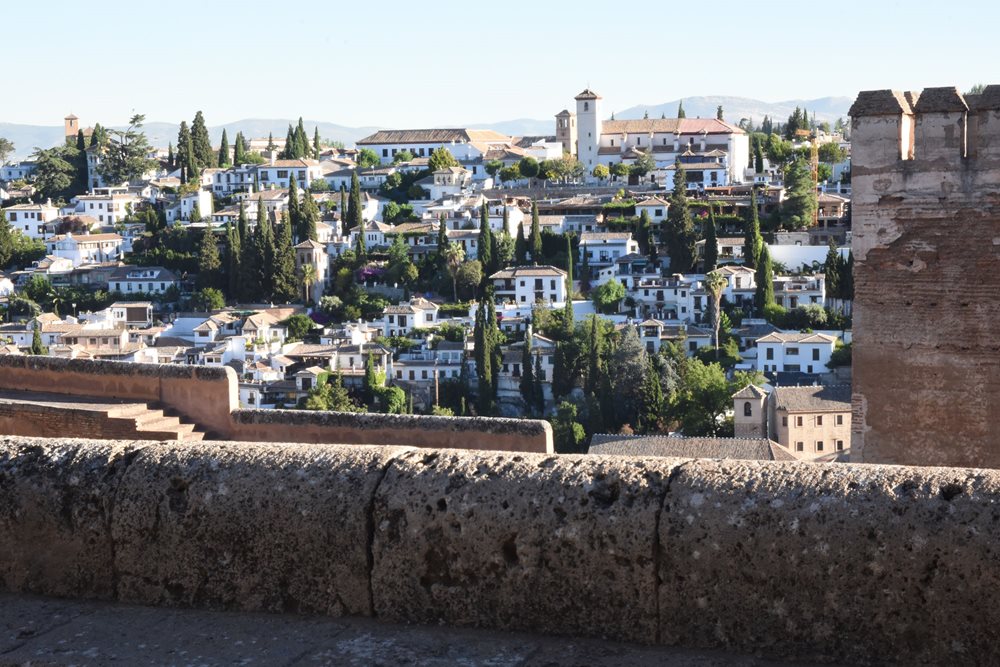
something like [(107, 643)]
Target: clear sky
[(441, 62)]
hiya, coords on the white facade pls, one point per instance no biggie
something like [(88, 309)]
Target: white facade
[(530, 284), (604, 248), (142, 279), (280, 173), (30, 219), (85, 248), (795, 352)]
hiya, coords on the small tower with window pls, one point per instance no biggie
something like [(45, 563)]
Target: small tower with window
[(750, 412), (72, 125)]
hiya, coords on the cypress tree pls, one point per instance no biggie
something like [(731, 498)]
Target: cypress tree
[(290, 146), (309, 213), (652, 398), (484, 360), (485, 243), (316, 148), (170, 156), (6, 241), (758, 158), (764, 295), (539, 387), (536, 234), (295, 208), (270, 142), (527, 383), (233, 253), (493, 332), (284, 278), (568, 306), (847, 278), (264, 239), (302, 149), (752, 241), (442, 239), (520, 245), (81, 141), (354, 211), (239, 150), (224, 150), (678, 232), (209, 263), (202, 143), (595, 346), (711, 243), (680, 110), (192, 172), (36, 342), (832, 270), (183, 145), (250, 267), (343, 206)]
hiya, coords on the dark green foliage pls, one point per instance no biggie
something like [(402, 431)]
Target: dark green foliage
[(764, 296), (205, 157), (680, 110), (6, 241), (520, 245), (441, 158), (536, 234), (527, 382), (285, 283), (678, 230), (752, 240), (36, 342), (567, 433), (799, 207), (711, 259), (224, 150), (486, 243), (209, 264)]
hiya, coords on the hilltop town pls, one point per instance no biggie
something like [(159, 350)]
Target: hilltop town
[(659, 276)]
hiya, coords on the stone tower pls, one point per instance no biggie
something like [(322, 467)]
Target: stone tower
[(750, 412), (566, 131), (926, 244), (588, 124), (72, 125)]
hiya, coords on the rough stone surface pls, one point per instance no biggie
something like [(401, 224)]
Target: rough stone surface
[(926, 242), (35, 632), (866, 564), (556, 544), (56, 500), (247, 526)]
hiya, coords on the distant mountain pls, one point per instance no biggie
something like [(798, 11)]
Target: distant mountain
[(736, 108)]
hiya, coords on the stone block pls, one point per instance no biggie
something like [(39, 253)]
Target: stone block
[(563, 545), (251, 527), (56, 500), (861, 564)]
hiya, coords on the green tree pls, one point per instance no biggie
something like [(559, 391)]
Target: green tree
[(703, 399), (764, 295), (752, 240), (678, 232), (650, 411), (36, 342), (316, 147), (644, 165), (493, 168), (264, 249), (718, 113), (6, 150), (6, 241), (511, 173), (224, 150), (209, 264), (234, 254), (568, 319), (528, 167), (711, 258), (621, 170), (627, 368), (55, 172), (758, 158), (536, 234), (308, 218), (715, 283), (239, 150), (453, 256), (441, 158), (567, 434), (191, 169), (402, 156), (520, 245), (680, 110), (354, 211), (832, 271), (367, 158), (298, 326), (527, 382), (209, 299), (202, 143), (485, 241), (183, 145), (601, 172), (799, 208), (284, 280), (606, 297)]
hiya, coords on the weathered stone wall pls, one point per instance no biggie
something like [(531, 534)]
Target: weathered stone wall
[(926, 243), (862, 564), (209, 397)]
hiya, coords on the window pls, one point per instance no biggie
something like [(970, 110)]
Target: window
[(770, 353), (784, 420), (385, 152), (412, 375), (792, 351), (658, 213), (423, 375), (747, 409), (840, 445), (819, 445), (552, 284), (282, 173), (840, 420), (798, 421), (586, 106), (819, 420), (692, 346), (816, 354), (799, 446)]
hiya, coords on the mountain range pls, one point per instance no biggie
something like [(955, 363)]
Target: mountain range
[(27, 137)]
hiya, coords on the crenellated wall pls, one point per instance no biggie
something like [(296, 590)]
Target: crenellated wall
[(926, 243), (860, 564), (209, 397)]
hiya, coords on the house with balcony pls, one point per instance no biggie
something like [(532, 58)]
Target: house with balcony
[(794, 291), (279, 173), (783, 352), (30, 219), (407, 316), (85, 248), (530, 284), (142, 280), (604, 249)]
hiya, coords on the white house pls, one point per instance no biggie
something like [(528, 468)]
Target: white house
[(794, 352), (466, 145), (530, 284), (142, 279), (604, 248), (793, 291), (108, 208), (30, 219), (280, 173), (447, 181), (85, 248), (17, 171), (655, 207), (404, 317)]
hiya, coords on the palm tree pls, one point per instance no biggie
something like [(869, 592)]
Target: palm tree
[(308, 275), (454, 255), (714, 284)]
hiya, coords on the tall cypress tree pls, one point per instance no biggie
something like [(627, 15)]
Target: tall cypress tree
[(536, 234), (678, 232), (183, 145), (209, 263), (485, 244), (711, 242), (192, 172), (539, 387), (285, 280), (764, 295), (224, 150), (680, 110), (832, 270), (290, 146), (568, 307), (343, 207), (316, 147), (171, 160), (527, 383), (302, 149), (202, 143), (239, 150), (295, 208), (6, 240), (354, 211), (484, 359), (752, 240), (234, 254), (520, 245), (265, 252), (442, 239), (309, 213)]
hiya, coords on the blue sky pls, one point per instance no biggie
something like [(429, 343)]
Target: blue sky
[(392, 63)]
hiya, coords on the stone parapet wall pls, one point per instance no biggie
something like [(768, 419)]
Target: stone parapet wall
[(808, 561), (209, 397)]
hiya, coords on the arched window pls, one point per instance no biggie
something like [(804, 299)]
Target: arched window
[(747, 409)]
